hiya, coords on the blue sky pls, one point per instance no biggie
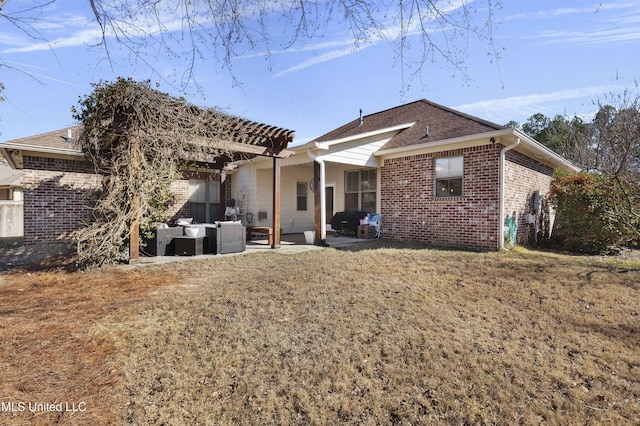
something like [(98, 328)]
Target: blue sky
[(556, 57)]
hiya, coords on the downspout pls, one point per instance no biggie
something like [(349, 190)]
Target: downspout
[(323, 201), (501, 195)]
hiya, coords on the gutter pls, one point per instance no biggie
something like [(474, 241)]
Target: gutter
[(480, 138), (501, 194), (41, 149), (534, 148), (544, 152), (13, 152), (323, 201)]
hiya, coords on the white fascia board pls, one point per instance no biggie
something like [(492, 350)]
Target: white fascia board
[(14, 153), (453, 143), (41, 149), (328, 144), (541, 152), (529, 145)]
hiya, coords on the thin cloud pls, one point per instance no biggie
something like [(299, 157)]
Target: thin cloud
[(614, 22), (505, 109), (79, 31), (23, 65), (591, 37), (307, 48), (387, 33), (80, 38), (57, 80), (319, 59), (562, 12)]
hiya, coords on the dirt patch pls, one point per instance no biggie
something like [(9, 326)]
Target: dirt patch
[(56, 366), (40, 257)]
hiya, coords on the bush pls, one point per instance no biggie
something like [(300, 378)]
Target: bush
[(589, 216)]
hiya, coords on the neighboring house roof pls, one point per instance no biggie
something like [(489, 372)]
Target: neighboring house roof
[(64, 139), (58, 143), (253, 139), (442, 123), (9, 178)]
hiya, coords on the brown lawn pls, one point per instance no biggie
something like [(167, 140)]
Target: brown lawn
[(400, 335)]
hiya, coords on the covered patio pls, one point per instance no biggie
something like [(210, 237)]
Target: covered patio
[(289, 244)]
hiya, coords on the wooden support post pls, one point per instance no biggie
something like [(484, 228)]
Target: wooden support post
[(316, 203), (223, 195), (276, 203), (134, 224)]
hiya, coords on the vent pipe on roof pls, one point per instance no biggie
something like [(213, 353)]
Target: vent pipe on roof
[(69, 135), (361, 120)]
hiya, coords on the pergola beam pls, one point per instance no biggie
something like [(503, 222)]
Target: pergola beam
[(229, 148)]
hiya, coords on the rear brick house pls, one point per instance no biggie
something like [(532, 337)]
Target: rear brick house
[(436, 175)]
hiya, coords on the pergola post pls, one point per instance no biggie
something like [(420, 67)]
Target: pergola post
[(317, 204), (223, 195), (276, 203), (134, 224)]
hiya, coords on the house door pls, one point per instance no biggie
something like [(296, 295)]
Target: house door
[(328, 196)]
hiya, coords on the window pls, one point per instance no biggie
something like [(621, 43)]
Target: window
[(301, 193), (448, 174), (360, 190), (204, 200)]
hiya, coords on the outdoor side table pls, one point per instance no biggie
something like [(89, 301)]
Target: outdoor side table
[(189, 246)]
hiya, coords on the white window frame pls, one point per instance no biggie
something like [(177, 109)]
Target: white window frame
[(361, 190), (300, 196), (448, 171)]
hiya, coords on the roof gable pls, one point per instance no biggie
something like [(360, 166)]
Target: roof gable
[(443, 123)]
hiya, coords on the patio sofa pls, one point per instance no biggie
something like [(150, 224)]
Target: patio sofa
[(212, 238)]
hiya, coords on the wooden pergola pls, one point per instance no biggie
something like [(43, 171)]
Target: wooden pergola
[(252, 140)]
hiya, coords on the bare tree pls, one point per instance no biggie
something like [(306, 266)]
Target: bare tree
[(190, 31)]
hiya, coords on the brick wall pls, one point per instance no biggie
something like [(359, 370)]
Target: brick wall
[(59, 192), (411, 212), (180, 207), (56, 195), (523, 177), (180, 189)]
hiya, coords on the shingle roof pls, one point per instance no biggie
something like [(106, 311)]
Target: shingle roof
[(444, 123), (56, 139)]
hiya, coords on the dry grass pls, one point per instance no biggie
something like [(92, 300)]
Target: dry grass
[(50, 351), (385, 336)]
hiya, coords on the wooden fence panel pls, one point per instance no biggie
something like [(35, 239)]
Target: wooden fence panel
[(11, 219)]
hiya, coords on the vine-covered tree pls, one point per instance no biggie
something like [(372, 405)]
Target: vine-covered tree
[(138, 139)]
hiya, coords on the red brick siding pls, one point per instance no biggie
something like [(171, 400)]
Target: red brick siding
[(180, 207), (56, 193), (411, 212), (180, 189), (524, 176)]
